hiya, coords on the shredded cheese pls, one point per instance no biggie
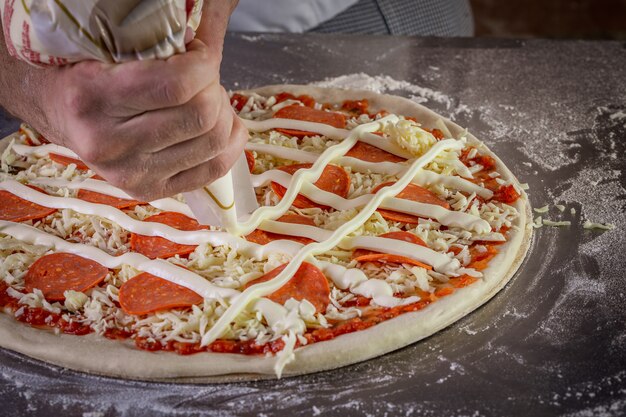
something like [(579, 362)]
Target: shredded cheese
[(601, 226)]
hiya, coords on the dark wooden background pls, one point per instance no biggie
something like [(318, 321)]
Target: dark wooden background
[(571, 19)]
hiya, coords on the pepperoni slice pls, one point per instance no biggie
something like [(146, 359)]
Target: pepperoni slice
[(16, 209), (262, 237), (334, 179), (308, 283), (392, 259), (304, 99), (33, 142), (146, 293), (158, 247), (296, 219), (308, 114), (250, 160), (67, 160), (58, 272), (357, 107), (280, 97), (99, 198), (414, 193), (364, 255), (366, 152)]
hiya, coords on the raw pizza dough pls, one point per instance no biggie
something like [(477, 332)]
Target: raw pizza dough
[(98, 355)]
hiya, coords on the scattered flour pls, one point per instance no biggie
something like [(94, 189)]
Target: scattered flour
[(618, 115), (251, 38), (384, 84)]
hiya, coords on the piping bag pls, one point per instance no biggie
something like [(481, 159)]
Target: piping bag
[(58, 32), (217, 204)]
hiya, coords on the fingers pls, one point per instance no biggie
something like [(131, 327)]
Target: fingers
[(156, 84), (200, 149), (162, 128), (211, 170), (184, 166), (155, 130)]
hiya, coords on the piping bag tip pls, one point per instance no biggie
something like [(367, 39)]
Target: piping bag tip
[(217, 204)]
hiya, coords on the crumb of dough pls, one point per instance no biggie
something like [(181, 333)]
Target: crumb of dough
[(543, 209), (560, 207)]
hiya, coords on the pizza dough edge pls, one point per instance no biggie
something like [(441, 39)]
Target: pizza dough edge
[(97, 355)]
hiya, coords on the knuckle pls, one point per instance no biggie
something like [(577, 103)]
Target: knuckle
[(219, 167), (91, 150), (82, 90), (203, 114), (117, 178), (171, 187), (173, 91), (139, 190), (76, 100), (142, 194), (212, 146), (144, 163)]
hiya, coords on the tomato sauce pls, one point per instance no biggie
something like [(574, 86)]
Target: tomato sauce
[(38, 317)]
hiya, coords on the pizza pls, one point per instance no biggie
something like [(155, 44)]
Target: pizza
[(379, 224)]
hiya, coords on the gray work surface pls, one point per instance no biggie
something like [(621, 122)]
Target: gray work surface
[(553, 342)]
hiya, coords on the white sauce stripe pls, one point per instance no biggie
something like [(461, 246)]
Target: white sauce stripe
[(375, 243), (357, 282), (444, 216), (267, 287), (43, 150), (439, 261), (117, 216), (283, 152), (309, 175), (385, 144), (195, 237), (268, 124), (424, 177), (158, 267), (328, 131), (301, 230), (103, 187)]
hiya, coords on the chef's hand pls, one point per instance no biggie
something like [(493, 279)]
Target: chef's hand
[(153, 128)]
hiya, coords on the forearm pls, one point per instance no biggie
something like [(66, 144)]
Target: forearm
[(21, 87)]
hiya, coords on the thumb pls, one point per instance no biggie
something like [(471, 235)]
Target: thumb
[(212, 28)]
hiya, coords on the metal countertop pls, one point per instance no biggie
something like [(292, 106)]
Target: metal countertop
[(553, 342)]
